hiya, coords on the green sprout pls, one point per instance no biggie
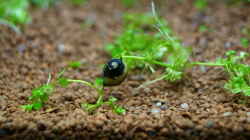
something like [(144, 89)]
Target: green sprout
[(141, 49), (15, 11), (98, 86), (78, 2), (244, 42), (43, 3), (239, 78), (128, 3), (203, 28), (75, 64), (140, 20), (200, 4), (41, 94)]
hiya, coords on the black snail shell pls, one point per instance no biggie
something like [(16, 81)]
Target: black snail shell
[(114, 72)]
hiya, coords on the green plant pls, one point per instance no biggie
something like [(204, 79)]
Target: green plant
[(200, 4), (98, 86), (244, 42), (15, 11), (141, 20), (142, 49), (203, 28), (43, 3), (78, 2), (239, 78), (41, 94), (128, 3)]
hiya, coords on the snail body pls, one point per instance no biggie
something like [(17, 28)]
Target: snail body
[(114, 72)]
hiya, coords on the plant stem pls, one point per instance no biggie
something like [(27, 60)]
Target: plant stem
[(101, 94), (151, 82), (135, 57), (82, 82), (207, 64), (99, 101), (148, 60)]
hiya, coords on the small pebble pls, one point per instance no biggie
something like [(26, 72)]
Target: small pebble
[(248, 113), (21, 48), (164, 107), (209, 124), (147, 90), (155, 111), (248, 120), (226, 114), (228, 44), (61, 48), (184, 106), (203, 69), (158, 104), (138, 77)]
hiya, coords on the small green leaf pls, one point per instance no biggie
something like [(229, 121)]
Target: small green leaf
[(128, 3), (37, 105), (203, 28), (112, 99), (99, 82), (78, 2), (27, 107), (43, 3), (64, 82), (75, 64), (119, 110), (200, 4), (244, 42), (89, 107)]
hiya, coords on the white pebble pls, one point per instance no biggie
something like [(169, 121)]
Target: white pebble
[(155, 110), (158, 104), (184, 106), (248, 113), (226, 114)]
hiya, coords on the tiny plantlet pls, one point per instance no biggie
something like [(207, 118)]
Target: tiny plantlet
[(128, 3), (201, 4), (41, 94), (244, 42), (204, 28), (239, 78), (15, 11), (78, 2), (141, 49)]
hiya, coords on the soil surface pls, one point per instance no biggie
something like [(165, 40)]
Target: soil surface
[(198, 107)]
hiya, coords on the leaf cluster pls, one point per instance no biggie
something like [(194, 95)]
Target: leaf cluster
[(200, 4), (39, 96), (78, 2), (16, 11), (238, 72), (239, 78), (146, 48)]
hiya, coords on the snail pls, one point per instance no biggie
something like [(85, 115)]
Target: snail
[(114, 72)]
